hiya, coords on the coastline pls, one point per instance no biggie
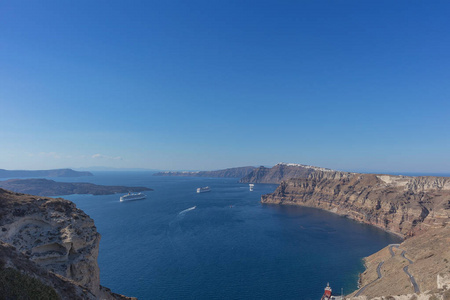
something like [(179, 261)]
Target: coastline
[(414, 209), (363, 259), (341, 215)]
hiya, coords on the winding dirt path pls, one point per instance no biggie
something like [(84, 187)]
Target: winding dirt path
[(405, 269), (379, 276)]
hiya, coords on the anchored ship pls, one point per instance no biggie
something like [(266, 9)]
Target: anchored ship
[(132, 196), (203, 189), (251, 185)]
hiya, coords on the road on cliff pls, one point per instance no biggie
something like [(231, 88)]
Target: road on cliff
[(379, 276), (405, 269)]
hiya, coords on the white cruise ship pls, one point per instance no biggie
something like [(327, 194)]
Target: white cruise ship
[(132, 196), (251, 185), (203, 189)]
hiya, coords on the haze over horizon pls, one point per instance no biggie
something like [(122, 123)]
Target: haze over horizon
[(207, 85)]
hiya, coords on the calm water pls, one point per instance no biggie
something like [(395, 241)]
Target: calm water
[(229, 247)]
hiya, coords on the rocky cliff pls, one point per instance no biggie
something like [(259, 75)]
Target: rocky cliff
[(56, 236), (226, 173), (20, 278), (283, 171), (400, 204), (417, 208)]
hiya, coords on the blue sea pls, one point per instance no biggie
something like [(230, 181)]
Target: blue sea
[(229, 247)]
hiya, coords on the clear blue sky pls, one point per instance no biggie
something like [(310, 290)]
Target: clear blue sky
[(350, 85)]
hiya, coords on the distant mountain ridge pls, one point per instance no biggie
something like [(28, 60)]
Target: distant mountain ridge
[(226, 173), (45, 187), (283, 171), (42, 173)]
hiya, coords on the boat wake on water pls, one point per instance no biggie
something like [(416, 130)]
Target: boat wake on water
[(186, 210), (174, 225)]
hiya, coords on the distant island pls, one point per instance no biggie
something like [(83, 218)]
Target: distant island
[(42, 173), (281, 172), (45, 187), (225, 173), (274, 175)]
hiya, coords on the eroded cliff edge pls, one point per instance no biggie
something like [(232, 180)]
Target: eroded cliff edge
[(57, 238), (400, 204), (416, 208)]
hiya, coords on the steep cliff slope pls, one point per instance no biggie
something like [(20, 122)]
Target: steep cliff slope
[(417, 208), (226, 173), (404, 205), (283, 171), (20, 278), (425, 257), (55, 235)]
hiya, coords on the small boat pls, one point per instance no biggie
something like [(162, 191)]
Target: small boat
[(132, 196), (186, 210), (251, 185), (203, 189)]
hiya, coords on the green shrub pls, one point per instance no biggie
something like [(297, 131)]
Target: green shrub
[(15, 285)]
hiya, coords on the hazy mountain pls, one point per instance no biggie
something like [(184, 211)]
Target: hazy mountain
[(226, 173), (42, 173)]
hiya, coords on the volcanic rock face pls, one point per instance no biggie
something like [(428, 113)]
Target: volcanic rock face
[(403, 205), (55, 235), (414, 207), (12, 261), (283, 171)]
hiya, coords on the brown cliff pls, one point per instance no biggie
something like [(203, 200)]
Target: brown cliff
[(417, 208), (56, 237), (282, 172), (400, 204)]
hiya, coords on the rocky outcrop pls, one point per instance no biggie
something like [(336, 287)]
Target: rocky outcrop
[(226, 173), (16, 267), (56, 236), (400, 204), (45, 187), (42, 173), (283, 171), (443, 280)]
